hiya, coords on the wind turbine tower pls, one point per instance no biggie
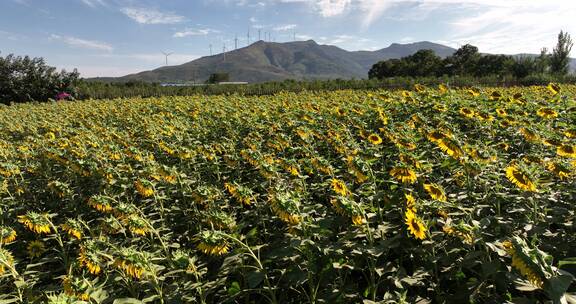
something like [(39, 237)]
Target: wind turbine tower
[(167, 54)]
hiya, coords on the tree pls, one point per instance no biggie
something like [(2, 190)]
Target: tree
[(423, 63), (524, 66), (560, 58), (464, 60), (218, 77), (489, 65), (30, 79)]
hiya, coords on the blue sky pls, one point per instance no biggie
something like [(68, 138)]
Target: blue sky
[(118, 37)]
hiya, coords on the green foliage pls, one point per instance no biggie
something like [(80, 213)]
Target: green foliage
[(30, 79), (289, 199), (467, 61), (561, 54), (218, 77)]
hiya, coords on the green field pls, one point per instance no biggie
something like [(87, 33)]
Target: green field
[(433, 195)]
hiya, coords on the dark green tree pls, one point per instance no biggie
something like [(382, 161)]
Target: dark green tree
[(561, 54), (489, 65), (218, 77), (464, 60), (524, 66), (31, 79), (543, 61), (423, 63)]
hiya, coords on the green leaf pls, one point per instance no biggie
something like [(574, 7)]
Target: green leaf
[(254, 279), (127, 301), (555, 287), (234, 289)]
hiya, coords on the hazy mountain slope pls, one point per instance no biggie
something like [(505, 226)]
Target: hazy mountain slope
[(266, 61)]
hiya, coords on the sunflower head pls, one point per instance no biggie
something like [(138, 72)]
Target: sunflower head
[(6, 260), (374, 139), (520, 178), (7, 235), (467, 112), (547, 113), (566, 151), (554, 88), (415, 225), (436, 192), (404, 175), (36, 249), (36, 222), (212, 242), (339, 187)]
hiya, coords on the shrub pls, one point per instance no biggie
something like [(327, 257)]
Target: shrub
[(31, 79)]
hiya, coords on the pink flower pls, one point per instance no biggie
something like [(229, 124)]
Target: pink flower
[(63, 95)]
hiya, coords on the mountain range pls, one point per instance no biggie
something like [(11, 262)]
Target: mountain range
[(270, 61)]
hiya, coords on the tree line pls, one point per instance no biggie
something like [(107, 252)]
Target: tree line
[(468, 61)]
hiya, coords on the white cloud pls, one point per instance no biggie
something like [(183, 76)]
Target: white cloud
[(285, 27), (11, 36), (82, 43), (512, 26), (94, 3), (194, 32), (330, 8), (152, 16)]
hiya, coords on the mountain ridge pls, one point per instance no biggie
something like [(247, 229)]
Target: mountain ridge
[(272, 61)]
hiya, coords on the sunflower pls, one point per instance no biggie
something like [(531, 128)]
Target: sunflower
[(374, 139), (529, 135), (521, 262), (36, 222), (339, 187), (382, 116), (7, 235), (520, 179), (415, 225), (405, 175), (435, 135), (213, 243), (73, 228), (467, 112), (286, 207), (436, 192), (474, 92), (73, 289), (566, 151), (501, 112), (559, 170), (358, 220), (144, 187), (130, 268), (440, 107), (410, 202), (136, 224), (36, 249), (547, 113), (504, 146), (442, 88), (570, 133), (450, 147), (550, 142), (6, 260), (553, 88), (90, 260), (495, 96), (411, 161)]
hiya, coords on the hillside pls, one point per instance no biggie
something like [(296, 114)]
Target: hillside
[(267, 61)]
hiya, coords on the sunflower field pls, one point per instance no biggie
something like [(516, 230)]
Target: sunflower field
[(433, 195)]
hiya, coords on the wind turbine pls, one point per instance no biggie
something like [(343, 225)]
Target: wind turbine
[(167, 54)]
